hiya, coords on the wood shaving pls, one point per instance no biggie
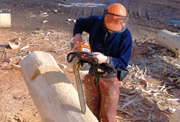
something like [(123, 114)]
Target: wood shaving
[(150, 92)]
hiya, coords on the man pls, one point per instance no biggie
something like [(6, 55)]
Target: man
[(111, 43)]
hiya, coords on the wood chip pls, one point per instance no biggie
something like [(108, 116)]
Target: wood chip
[(159, 90), (131, 101), (16, 60), (27, 46), (14, 44), (4, 64), (16, 67), (152, 80), (171, 99)]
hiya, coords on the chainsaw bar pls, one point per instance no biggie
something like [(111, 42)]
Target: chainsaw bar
[(79, 86), (75, 58)]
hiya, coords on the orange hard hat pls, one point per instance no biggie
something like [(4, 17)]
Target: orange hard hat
[(117, 9), (115, 17)]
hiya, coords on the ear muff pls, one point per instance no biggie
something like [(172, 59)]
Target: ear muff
[(104, 13), (127, 17)]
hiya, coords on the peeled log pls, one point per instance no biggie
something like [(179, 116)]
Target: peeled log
[(169, 40), (53, 94), (5, 20)]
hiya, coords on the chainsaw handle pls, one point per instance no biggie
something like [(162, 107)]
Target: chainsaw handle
[(71, 56), (78, 54), (90, 54)]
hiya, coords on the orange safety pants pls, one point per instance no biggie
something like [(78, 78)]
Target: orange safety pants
[(102, 102)]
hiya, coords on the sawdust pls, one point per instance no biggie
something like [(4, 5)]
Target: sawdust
[(147, 93), (150, 92)]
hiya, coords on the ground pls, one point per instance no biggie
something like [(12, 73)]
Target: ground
[(148, 93)]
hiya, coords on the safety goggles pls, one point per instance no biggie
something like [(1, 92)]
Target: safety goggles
[(114, 22)]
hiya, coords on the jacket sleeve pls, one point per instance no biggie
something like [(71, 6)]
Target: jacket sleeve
[(83, 24), (121, 60)]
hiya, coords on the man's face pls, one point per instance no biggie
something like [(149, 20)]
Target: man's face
[(114, 23)]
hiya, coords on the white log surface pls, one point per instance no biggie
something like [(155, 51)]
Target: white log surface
[(169, 40), (5, 20), (53, 94)]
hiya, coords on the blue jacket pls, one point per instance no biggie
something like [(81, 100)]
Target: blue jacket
[(103, 42)]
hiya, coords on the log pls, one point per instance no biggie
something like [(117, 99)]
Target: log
[(5, 20), (169, 40), (54, 96), (175, 116)]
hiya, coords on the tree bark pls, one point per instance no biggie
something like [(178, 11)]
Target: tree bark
[(169, 40), (53, 94)]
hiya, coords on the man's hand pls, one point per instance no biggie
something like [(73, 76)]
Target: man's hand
[(101, 58), (77, 38), (76, 46)]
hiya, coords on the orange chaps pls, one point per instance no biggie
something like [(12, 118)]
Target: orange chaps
[(102, 102)]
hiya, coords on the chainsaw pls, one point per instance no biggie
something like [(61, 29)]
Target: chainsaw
[(79, 58)]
